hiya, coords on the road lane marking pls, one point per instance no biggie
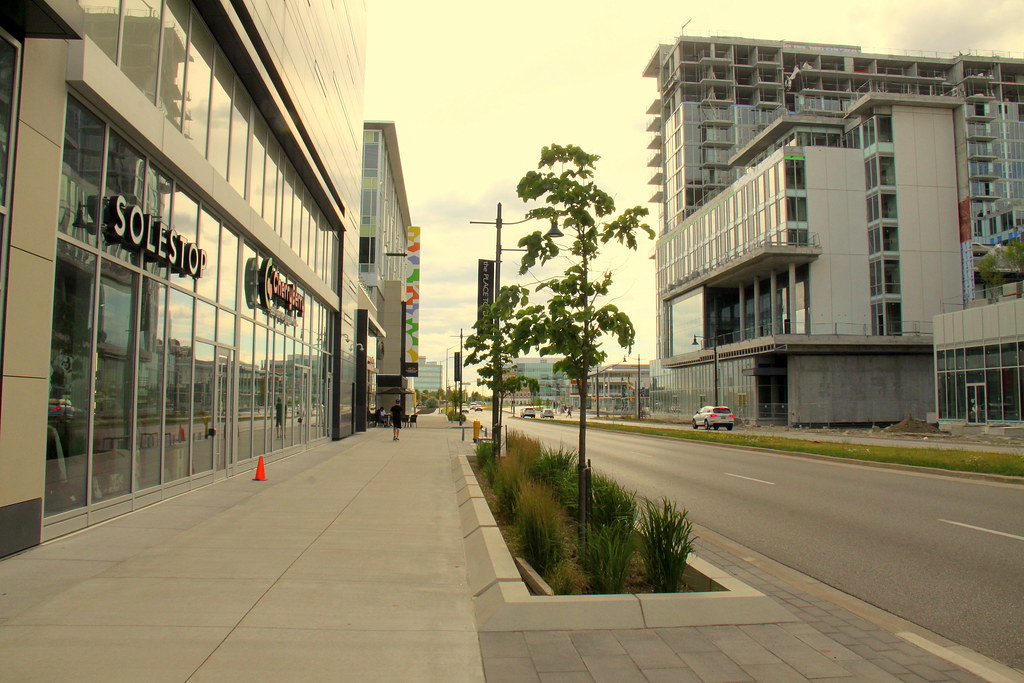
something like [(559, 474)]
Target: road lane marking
[(981, 528), (740, 476)]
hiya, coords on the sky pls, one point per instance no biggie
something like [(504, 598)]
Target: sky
[(476, 89)]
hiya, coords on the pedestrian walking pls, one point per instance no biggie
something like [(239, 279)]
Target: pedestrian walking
[(396, 418), (279, 417)]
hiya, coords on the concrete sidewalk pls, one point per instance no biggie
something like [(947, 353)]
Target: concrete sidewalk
[(348, 564)]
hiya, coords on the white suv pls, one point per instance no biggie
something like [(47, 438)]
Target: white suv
[(528, 412), (714, 417)]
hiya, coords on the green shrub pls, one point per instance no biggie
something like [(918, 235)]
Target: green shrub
[(665, 543), (567, 578), (558, 471), (607, 560), (612, 504), (538, 523)]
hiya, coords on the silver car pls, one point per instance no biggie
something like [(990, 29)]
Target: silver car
[(713, 417)]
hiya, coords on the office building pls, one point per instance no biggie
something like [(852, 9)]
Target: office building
[(388, 314), (819, 206), (180, 186), (430, 375)]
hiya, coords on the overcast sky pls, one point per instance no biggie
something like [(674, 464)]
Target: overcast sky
[(476, 89)]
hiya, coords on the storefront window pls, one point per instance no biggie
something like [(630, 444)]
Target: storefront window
[(67, 446), (150, 432), (158, 204), (81, 174), (246, 374), (172, 62), (257, 162), (179, 384), (203, 388), (206, 321), (115, 351), (209, 239), (126, 176), (200, 70), (228, 269), (262, 417), (140, 45)]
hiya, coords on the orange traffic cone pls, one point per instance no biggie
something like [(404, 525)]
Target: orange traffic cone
[(261, 474)]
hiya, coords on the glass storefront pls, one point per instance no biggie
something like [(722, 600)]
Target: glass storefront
[(981, 384), (158, 377)]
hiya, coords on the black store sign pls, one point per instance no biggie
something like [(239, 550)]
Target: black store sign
[(274, 290), (127, 225)]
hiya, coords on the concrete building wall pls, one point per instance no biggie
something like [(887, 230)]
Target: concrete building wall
[(888, 388), (839, 277), (928, 222)]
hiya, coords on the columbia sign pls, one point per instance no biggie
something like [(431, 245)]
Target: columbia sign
[(274, 290), (142, 232)]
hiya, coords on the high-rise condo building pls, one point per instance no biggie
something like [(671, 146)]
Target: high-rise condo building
[(819, 205)]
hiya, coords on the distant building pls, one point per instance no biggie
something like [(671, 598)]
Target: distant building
[(818, 206), (430, 375), (388, 276)]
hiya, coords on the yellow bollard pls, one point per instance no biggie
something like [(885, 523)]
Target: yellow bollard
[(476, 430)]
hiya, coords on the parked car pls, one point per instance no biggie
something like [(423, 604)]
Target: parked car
[(528, 411), (60, 409), (714, 417), (548, 413)]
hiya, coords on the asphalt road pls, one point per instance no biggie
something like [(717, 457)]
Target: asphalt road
[(942, 552)]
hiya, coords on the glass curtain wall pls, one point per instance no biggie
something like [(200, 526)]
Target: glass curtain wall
[(134, 353)]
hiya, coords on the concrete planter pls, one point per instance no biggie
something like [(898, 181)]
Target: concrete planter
[(503, 603)]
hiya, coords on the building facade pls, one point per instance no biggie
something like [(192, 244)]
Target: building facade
[(388, 275), (430, 376), (818, 208), (182, 181)]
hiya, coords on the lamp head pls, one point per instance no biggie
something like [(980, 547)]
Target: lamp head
[(554, 232), (695, 340)]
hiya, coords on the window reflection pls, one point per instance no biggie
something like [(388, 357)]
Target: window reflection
[(140, 44), (200, 69), (239, 138), (203, 386), (220, 114), (179, 384), (209, 239), (172, 61), (80, 174), (101, 24), (8, 68), (126, 175), (112, 428), (149, 431), (70, 378)]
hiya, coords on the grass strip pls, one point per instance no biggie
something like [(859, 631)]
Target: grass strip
[(1007, 464)]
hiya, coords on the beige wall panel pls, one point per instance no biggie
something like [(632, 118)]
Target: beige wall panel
[(22, 439), (29, 304), (43, 72), (34, 207)]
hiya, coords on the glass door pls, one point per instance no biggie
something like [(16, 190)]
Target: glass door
[(305, 405), (976, 404)]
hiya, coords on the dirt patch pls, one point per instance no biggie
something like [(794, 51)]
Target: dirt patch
[(912, 426)]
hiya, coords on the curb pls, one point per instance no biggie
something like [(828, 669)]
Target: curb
[(502, 602)]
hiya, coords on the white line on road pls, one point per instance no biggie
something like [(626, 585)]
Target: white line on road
[(740, 476), (981, 528)]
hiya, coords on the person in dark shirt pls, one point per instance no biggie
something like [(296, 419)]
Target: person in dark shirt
[(396, 417)]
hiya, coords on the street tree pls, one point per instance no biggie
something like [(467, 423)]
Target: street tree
[(501, 334), (574, 319), (1007, 259)]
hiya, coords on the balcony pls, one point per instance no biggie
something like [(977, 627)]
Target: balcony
[(980, 151), (656, 142), (980, 131), (774, 252), (657, 179), (655, 160), (715, 116), (657, 198), (654, 125)]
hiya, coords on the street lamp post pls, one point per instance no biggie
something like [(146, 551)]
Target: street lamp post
[(495, 398), (714, 349)]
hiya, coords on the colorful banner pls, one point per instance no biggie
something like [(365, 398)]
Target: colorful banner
[(484, 284), (412, 302)]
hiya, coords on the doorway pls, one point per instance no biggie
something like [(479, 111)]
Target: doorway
[(977, 405)]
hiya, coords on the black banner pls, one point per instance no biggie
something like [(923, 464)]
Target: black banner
[(458, 366), (484, 283)]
